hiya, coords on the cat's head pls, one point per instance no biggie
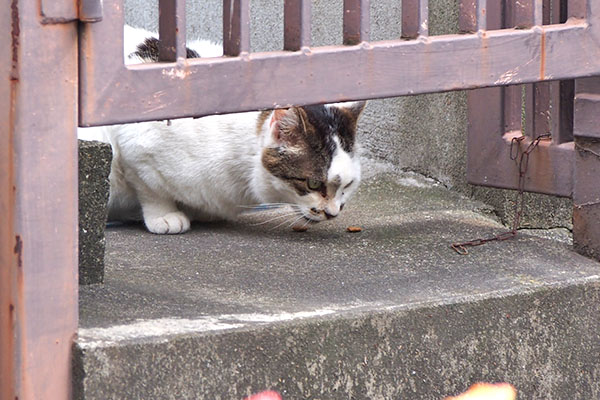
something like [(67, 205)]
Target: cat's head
[(312, 155)]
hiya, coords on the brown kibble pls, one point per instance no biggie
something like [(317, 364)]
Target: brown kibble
[(300, 228), (354, 229)]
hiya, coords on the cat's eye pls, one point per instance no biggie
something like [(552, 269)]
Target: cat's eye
[(314, 184), (348, 185)]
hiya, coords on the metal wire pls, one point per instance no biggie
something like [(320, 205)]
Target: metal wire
[(523, 163)]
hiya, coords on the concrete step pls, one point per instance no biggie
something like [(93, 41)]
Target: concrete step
[(391, 312)]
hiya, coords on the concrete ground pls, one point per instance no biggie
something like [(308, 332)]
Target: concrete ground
[(235, 307)]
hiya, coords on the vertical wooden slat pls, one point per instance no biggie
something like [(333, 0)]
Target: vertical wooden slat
[(236, 27), (415, 18), (171, 30), (296, 32), (356, 21)]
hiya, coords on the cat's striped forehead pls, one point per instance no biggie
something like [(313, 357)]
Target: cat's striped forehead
[(333, 122)]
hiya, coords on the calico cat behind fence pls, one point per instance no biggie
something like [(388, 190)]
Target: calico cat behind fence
[(303, 159)]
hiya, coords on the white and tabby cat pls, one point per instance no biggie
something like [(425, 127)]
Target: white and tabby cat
[(219, 166)]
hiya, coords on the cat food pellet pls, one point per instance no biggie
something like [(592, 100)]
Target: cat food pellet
[(300, 228), (354, 229)]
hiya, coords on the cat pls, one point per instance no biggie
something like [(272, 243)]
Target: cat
[(215, 167)]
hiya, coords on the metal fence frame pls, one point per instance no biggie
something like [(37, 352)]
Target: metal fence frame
[(44, 86)]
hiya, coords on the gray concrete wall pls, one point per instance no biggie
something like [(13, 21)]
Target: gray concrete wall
[(424, 133)]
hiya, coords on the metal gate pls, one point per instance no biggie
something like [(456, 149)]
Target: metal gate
[(242, 81), (504, 43)]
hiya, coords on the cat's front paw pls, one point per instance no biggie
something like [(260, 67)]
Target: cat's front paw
[(171, 223)]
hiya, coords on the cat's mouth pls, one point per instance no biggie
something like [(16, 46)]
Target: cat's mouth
[(313, 215)]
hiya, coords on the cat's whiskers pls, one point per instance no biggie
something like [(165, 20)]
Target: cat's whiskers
[(293, 222), (286, 215), (308, 221)]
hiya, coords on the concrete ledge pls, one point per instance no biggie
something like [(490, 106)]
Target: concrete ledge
[(546, 343), (391, 312), (94, 168)]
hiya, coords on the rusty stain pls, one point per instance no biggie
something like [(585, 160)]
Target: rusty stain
[(543, 56), (18, 250), (15, 33)]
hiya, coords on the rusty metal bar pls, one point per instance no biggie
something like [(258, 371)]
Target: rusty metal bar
[(39, 190), (549, 104), (297, 16), (586, 194), (538, 12), (494, 120), (577, 9), (587, 109), (58, 12), (408, 70), (236, 27), (551, 170), (512, 106), (481, 15), (501, 57), (415, 18), (8, 260), (467, 17), (563, 92), (473, 15), (90, 10), (537, 104), (357, 22), (520, 13), (171, 30)]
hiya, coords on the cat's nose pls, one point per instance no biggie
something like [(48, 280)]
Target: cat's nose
[(329, 216)]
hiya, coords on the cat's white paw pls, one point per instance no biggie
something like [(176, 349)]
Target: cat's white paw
[(171, 223)]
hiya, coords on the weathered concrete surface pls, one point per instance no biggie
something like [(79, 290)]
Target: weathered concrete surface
[(424, 133), (390, 312), (94, 167)]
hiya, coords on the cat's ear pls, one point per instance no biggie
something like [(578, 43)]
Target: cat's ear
[(285, 123), (354, 109)]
